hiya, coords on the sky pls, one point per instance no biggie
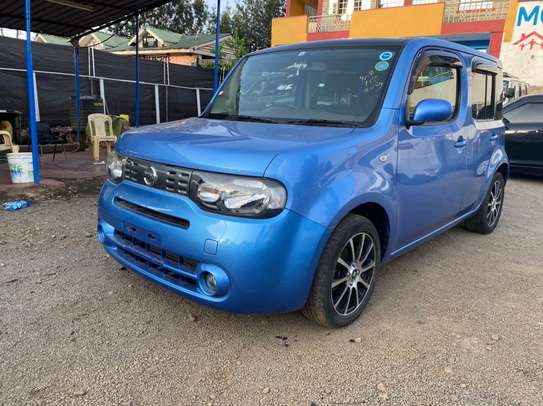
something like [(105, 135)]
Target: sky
[(224, 3), (13, 34)]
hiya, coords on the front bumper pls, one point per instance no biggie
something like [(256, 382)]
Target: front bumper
[(261, 265)]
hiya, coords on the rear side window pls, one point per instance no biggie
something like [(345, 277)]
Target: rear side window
[(434, 82), (486, 95), (482, 105)]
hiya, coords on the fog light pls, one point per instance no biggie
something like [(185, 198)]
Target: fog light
[(211, 282)]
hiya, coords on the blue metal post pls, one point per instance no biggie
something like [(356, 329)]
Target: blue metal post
[(77, 94), (137, 70), (217, 47), (30, 92)]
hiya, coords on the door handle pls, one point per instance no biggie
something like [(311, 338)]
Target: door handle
[(494, 137), (460, 143)]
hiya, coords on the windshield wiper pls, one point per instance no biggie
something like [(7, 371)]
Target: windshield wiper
[(322, 122), (309, 121), (236, 117)]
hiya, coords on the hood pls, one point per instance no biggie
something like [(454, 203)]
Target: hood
[(238, 147)]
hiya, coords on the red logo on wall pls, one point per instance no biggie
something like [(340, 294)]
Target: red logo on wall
[(529, 41)]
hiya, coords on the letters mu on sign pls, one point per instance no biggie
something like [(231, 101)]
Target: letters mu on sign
[(529, 25)]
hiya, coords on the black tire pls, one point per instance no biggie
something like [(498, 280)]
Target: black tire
[(325, 306), (488, 216)]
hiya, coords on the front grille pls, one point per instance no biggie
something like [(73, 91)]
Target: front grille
[(170, 178), (165, 264)]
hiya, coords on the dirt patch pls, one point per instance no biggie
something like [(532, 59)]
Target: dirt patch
[(59, 189), (458, 321)]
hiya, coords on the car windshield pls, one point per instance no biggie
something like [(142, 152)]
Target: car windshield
[(322, 86)]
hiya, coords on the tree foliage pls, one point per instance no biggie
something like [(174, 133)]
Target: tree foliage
[(249, 22), (182, 16), (252, 21)]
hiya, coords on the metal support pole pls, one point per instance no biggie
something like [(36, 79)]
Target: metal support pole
[(91, 81), (217, 47), (198, 105), (157, 104), (103, 94), (93, 62), (77, 94), (36, 100), (30, 92), (137, 70)]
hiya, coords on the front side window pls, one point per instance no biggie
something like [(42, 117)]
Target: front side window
[(340, 86), (482, 91), (434, 82)]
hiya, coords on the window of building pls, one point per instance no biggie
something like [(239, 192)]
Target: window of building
[(361, 5), (466, 5), (434, 82), (390, 3), (482, 96), (417, 2), (342, 6)]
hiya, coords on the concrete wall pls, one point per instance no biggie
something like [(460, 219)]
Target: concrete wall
[(190, 60), (522, 55), (289, 30), (397, 22), (295, 7)]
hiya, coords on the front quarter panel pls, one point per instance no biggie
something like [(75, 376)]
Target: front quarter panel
[(326, 182)]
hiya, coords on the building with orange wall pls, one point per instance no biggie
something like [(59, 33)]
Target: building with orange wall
[(486, 25)]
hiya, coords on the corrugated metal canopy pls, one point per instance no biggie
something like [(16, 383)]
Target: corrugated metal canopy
[(71, 18)]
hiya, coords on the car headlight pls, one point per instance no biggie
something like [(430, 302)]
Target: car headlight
[(237, 195), (115, 167)]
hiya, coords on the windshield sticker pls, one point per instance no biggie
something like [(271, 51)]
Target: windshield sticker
[(386, 56), (381, 66)]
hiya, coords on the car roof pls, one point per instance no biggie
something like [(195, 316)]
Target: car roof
[(332, 43), (401, 42)]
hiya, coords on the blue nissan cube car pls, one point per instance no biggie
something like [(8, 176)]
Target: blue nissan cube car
[(312, 166)]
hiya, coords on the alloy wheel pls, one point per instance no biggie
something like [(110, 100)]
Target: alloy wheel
[(494, 203), (354, 274)]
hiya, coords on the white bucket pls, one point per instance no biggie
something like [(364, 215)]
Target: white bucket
[(20, 167)]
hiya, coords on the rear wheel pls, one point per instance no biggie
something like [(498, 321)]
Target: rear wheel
[(487, 217), (346, 273)]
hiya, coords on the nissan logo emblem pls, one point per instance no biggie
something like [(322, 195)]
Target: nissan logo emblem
[(150, 176)]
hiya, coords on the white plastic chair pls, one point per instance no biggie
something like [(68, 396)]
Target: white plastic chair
[(101, 130), (7, 143)]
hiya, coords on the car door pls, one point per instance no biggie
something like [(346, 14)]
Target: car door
[(485, 129), (524, 135), (432, 162)]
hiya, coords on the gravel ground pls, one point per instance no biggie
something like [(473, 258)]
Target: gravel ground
[(457, 321)]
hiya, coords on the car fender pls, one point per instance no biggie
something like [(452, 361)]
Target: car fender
[(497, 159), (326, 186)]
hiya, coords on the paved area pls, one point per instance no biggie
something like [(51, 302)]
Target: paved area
[(457, 321)]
